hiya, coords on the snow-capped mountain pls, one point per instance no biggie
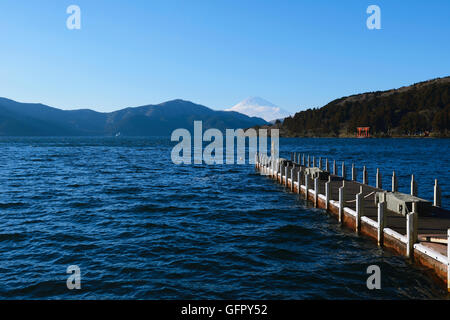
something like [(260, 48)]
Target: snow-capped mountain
[(258, 107)]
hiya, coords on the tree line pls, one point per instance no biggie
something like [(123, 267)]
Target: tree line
[(420, 109)]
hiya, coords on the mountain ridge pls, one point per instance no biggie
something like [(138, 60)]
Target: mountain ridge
[(17, 119)]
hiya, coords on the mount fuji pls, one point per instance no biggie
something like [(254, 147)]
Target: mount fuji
[(258, 107)]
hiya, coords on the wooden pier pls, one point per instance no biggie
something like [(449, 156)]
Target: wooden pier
[(423, 238)]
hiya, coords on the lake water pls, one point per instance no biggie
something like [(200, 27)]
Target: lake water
[(140, 227)]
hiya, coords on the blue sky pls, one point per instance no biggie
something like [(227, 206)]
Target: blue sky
[(296, 54)]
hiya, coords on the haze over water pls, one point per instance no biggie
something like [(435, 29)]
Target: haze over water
[(141, 227)]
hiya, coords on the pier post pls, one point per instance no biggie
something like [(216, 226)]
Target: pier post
[(448, 260), (306, 185), (264, 163), (295, 157), (308, 163), (303, 161), (327, 165), (359, 211), (314, 161), (273, 168), (437, 195), (334, 167), (281, 172), (327, 192), (413, 186), (292, 179), (341, 201), (299, 172), (416, 222), (353, 172), (344, 174), (320, 162), (292, 156), (411, 233), (394, 182), (277, 166), (379, 184), (270, 165), (381, 223), (316, 191), (286, 176), (365, 177)]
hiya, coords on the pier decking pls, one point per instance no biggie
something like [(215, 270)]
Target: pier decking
[(422, 238)]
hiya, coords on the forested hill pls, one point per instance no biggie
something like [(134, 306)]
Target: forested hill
[(419, 109)]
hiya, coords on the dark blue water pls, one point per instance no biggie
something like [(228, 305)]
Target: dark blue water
[(140, 227)]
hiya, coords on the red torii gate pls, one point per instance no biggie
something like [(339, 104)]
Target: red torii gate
[(363, 132)]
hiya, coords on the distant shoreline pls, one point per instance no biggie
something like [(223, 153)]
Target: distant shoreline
[(376, 137)]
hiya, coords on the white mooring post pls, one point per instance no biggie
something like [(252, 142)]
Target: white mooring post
[(413, 186), (314, 161), (394, 182), (264, 165), (299, 159), (298, 179), (275, 168), (448, 260), (327, 165), (365, 177), (272, 164), (286, 176), (437, 194), (341, 201), (344, 174), (267, 166), (303, 160), (316, 191), (306, 186), (334, 167), (280, 170), (308, 163), (271, 161), (381, 223), (410, 233), (416, 222), (292, 179), (327, 192), (379, 184), (359, 210), (353, 172)]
